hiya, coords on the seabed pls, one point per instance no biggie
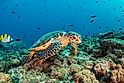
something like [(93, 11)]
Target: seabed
[(100, 59)]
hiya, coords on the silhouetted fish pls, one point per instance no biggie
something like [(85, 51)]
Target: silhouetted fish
[(18, 39), (120, 28), (118, 20), (93, 16), (38, 28), (100, 27), (71, 25), (13, 12), (92, 21)]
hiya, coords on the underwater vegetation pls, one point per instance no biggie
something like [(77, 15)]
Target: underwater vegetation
[(95, 59)]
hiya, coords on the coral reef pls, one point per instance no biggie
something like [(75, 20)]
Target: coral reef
[(20, 75), (12, 54), (5, 78), (99, 59), (85, 76)]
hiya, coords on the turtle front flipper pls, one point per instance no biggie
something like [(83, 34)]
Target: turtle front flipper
[(74, 52), (38, 48)]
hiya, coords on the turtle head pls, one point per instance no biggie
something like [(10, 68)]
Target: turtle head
[(73, 37)]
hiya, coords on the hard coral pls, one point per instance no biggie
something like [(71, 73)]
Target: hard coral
[(85, 76), (122, 62), (58, 73), (20, 75), (88, 65), (117, 75), (100, 69), (12, 56), (111, 64), (5, 78), (74, 68)]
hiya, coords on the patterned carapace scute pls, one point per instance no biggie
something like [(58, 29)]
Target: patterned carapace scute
[(47, 37), (54, 35)]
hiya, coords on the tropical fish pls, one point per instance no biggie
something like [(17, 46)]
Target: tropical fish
[(5, 38)]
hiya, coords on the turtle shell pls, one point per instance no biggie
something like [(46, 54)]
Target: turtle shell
[(45, 38)]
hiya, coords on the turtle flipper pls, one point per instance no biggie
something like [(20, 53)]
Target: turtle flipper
[(39, 48), (49, 52), (74, 52), (31, 54), (42, 47)]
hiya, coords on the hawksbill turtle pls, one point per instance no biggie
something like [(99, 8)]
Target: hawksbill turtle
[(53, 42)]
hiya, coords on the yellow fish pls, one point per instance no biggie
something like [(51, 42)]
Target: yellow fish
[(5, 38)]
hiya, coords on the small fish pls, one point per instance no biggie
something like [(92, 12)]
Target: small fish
[(5, 38), (16, 5), (18, 17), (13, 12), (100, 27), (118, 20), (38, 28), (92, 21), (17, 39), (93, 16), (71, 25)]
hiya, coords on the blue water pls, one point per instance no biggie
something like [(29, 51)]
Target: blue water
[(30, 19)]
